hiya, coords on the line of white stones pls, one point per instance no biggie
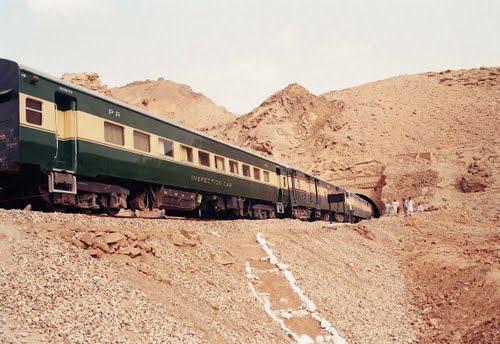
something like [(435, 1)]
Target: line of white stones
[(267, 304), (310, 305)]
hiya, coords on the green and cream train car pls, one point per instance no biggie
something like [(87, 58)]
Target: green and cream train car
[(66, 147)]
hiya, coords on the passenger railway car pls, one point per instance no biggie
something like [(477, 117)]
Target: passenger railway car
[(69, 148)]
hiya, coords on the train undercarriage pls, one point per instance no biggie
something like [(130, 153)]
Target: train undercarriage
[(62, 192)]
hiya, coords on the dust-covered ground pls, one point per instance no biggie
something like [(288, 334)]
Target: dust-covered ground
[(72, 278)]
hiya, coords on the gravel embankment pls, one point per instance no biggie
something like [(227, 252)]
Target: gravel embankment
[(186, 282)]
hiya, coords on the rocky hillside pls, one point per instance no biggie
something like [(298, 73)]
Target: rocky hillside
[(488, 78), (91, 80), (416, 113), (393, 131), (285, 124), (405, 114), (173, 101), (73, 278), (167, 99)]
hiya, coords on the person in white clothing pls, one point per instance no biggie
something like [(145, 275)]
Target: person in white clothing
[(420, 208), (394, 206), (409, 206), (387, 208)]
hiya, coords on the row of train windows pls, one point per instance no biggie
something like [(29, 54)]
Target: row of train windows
[(308, 187), (115, 134)]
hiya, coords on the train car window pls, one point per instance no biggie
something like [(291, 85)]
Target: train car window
[(266, 176), (187, 153), (233, 167), (33, 111), (256, 173), (166, 147), (114, 134), (204, 158), (142, 142), (284, 182), (219, 163), (246, 170)]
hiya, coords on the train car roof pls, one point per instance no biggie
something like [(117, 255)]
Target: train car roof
[(138, 110)]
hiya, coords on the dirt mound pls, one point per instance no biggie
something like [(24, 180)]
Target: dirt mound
[(173, 101), (414, 114), (164, 98), (91, 80), (283, 122)]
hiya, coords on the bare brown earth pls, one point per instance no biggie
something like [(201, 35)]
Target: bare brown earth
[(363, 129), (433, 277), (281, 125), (173, 101), (166, 99), (452, 268), (193, 287), (430, 278)]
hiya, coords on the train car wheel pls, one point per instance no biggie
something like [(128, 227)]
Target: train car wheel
[(339, 217), (112, 211), (139, 202), (325, 217)]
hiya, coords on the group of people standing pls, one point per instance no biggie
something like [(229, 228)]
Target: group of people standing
[(405, 207)]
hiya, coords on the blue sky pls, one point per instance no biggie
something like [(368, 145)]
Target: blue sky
[(239, 52)]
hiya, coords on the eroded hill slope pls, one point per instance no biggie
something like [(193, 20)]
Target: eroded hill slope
[(401, 115), (173, 101), (166, 99)]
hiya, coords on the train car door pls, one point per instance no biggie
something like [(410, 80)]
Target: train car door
[(280, 184), (281, 200), (292, 187), (310, 190), (317, 191), (66, 133)]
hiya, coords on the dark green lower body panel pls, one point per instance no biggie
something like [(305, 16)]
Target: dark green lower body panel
[(37, 147), (96, 160), (308, 200)]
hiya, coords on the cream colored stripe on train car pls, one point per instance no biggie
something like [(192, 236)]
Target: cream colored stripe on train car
[(91, 128)]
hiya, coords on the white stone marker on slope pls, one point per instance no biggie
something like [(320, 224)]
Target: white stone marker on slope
[(310, 305)]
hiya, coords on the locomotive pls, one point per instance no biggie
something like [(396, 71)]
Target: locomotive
[(66, 148)]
